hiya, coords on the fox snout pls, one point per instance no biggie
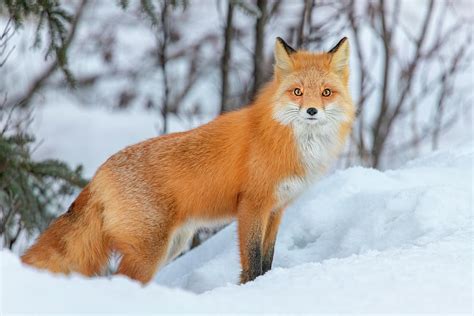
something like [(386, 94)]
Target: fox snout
[(312, 114), (312, 111)]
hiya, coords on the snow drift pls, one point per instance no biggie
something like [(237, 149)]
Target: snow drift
[(360, 240)]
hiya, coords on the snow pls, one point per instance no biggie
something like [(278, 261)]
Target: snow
[(358, 241)]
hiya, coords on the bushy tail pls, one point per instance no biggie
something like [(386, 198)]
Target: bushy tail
[(75, 242)]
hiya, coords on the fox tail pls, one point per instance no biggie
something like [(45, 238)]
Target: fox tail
[(74, 242)]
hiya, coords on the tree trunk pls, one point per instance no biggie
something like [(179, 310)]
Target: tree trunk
[(258, 58), (304, 23), (228, 34), (163, 61)]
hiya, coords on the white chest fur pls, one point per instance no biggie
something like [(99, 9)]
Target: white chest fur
[(317, 149)]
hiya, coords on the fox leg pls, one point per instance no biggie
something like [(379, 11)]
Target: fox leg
[(251, 227), (269, 239), (143, 248), (142, 261), (180, 240), (138, 267)]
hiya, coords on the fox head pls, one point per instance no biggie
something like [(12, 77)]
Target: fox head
[(312, 88)]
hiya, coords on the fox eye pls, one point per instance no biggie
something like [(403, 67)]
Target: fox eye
[(298, 92), (327, 92)]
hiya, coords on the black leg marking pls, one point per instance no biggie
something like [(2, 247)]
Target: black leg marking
[(255, 263), (268, 259)]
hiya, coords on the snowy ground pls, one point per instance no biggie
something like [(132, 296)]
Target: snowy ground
[(358, 241)]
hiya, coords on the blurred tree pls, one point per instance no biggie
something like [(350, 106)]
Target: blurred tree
[(404, 69), (226, 55), (30, 191), (426, 65), (258, 59), (61, 29), (158, 13), (262, 65), (49, 15)]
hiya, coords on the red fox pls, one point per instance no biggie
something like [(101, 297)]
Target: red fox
[(147, 200)]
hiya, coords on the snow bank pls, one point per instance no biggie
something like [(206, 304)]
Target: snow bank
[(360, 240)]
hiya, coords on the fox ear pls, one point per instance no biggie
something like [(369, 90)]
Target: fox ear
[(340, 56), (283, 52)]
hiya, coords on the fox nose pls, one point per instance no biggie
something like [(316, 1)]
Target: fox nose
[(312, 111)]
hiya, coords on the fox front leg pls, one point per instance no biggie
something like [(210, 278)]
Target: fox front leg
[(251, 228), (270, 238)]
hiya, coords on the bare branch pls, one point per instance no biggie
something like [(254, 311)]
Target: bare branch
[(5, 36), (387, 117), (39, 82)]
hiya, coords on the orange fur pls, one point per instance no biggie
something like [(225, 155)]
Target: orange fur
[(146, 200)]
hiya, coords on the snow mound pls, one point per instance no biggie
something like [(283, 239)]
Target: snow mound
[(360, 240)]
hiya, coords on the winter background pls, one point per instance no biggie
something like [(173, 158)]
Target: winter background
[(389, 229)]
